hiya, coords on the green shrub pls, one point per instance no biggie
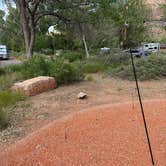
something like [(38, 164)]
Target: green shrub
[(73, 55), (152, 67), (7, 80), (66, 73), (13, 68), (114, 58), (2, 71), (42, 66), (4, 119), (94, 67), (6, 99), (89, 78), (36, 66)]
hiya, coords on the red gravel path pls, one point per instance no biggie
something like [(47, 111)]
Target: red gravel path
[(109, 135)]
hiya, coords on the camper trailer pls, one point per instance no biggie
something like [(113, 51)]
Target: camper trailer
[(151, 47), (3, 52)]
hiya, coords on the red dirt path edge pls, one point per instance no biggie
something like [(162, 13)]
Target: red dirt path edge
[(110, 135)]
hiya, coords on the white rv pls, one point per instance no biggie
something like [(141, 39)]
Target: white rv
[(3, 52), (151, 47)]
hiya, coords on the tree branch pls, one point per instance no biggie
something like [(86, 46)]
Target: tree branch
[(48, 13)]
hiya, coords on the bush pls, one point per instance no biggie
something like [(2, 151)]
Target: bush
[(102, 62), (94, 67), (13, 68), (41, 66), (7, 80), (66, 73), (4, 119), (6, 99), (114, 57), (2, 71), (152, 67), (73, 55), (36, 66)]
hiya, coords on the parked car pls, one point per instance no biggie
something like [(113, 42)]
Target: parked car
[(3, 52)]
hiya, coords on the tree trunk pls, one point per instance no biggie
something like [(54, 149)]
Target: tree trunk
[(29, 51), (28, 28), (30, 45), (85, 45)]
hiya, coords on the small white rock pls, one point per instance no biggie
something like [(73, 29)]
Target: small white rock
[(81, 95)]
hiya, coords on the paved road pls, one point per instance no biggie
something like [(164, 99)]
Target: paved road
[(4, 63)]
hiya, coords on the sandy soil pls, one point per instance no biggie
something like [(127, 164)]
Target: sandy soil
[(110, 135), (40, 110)]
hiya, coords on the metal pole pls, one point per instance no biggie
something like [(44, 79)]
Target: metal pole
[(142, 109)]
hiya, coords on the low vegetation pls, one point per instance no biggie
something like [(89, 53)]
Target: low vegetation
[(151, 67), (7, 99), (62, 70), (68, 68)]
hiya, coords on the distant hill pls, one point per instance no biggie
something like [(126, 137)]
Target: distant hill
[(156, 10)]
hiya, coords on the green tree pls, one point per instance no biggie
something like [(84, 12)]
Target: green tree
[(135, 14), (2, 21), (12, 32), (30, 12)]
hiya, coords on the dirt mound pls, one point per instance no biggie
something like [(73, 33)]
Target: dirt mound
[(107, 135)]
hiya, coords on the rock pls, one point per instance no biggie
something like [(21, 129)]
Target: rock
[(35, 85), (82, 95)]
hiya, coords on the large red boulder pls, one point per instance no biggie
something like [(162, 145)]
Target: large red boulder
[(35, 85)]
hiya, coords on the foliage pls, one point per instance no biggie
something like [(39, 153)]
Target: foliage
[(94, 67), (129, 12), (102, 62), (73, 55), (43, 43), (7, 99), (4, 119), (99, 21), (63, 71), (152, 67), (8, 76), (36, 66), (11, 31), (2, 71), (89, 78), (8, 79)]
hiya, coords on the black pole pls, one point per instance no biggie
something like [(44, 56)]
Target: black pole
[(141, 105)]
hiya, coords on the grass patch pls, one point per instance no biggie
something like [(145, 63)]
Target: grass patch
[(7, 99), (4, 119), (8, 79), (2, 71)]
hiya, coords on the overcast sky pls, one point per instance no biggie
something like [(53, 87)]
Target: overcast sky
[(3, 6)]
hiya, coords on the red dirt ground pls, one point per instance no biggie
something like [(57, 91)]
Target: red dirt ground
[(110, 135)]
